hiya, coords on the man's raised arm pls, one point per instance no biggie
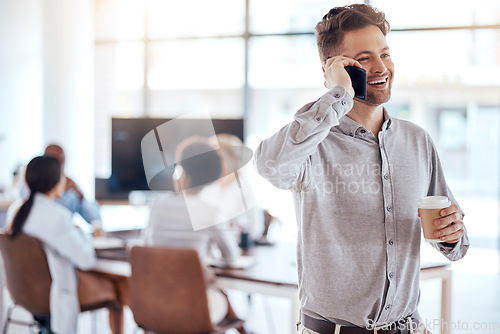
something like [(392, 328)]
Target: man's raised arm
[(280, 158)]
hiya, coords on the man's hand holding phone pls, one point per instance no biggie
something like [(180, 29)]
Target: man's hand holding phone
[(335, 73)]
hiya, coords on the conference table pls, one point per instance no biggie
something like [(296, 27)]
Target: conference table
[(275, 274)]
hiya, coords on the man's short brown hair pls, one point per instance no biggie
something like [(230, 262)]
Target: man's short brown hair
[(331, 29)]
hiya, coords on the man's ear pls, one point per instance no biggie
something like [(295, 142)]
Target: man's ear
[(323, 64)]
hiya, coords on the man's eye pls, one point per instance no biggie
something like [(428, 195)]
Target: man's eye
[(386, 55), (363, 59)]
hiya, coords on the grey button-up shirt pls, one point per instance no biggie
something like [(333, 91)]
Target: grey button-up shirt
[(356, 205)]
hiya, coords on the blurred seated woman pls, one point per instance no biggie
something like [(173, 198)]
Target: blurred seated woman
[(66, 246)]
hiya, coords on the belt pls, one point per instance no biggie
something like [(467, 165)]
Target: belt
[(326, 327)]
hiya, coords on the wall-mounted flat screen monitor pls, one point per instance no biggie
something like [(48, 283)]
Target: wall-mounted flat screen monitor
[(127, 168)]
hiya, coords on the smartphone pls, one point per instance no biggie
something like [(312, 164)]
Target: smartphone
[(358, 79)]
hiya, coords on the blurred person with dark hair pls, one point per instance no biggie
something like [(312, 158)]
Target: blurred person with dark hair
[(66, 246), (170, 220), (73, 198), (357, 174)]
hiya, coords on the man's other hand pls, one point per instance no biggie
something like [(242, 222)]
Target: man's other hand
[(452, 226)]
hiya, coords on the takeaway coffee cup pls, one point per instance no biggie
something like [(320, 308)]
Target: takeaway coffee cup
[(429, 208)]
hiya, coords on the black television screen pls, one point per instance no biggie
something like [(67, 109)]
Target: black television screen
[(127, 168)]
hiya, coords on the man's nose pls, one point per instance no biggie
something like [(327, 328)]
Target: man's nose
[(378, 66)]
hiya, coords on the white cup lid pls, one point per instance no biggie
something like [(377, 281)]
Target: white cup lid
[(434, 202)]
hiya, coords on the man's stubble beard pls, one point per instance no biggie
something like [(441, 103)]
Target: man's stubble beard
[(373, 100)]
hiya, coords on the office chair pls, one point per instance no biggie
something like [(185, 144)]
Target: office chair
[(29, 280), (168, 292)]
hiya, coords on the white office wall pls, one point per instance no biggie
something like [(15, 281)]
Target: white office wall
[(68, 94), (20, 84), (46, 84)]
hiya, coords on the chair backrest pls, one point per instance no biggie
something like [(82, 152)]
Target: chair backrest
[(168, 290), (27, 272)]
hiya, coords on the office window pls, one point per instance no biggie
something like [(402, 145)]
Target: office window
[(195, 18), (453, 134), (284, 71), (285, 16), (140, 42), (443, 13), (449, 58), (117, 20), (284, 62), (193, 75), (205, 63)]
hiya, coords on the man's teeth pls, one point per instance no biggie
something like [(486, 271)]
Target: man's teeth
[(377, 82)]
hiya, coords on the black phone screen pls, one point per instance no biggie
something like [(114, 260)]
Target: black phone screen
[(358, 79)]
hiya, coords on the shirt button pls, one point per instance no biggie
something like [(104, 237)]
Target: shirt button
[(386, 176), (391, 275), (363, 131), (388, 307), (389, 208), (337, 95), (318, 119), (391, 242), (343, 102)]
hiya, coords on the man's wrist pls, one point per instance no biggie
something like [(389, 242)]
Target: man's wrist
[(342, 101)]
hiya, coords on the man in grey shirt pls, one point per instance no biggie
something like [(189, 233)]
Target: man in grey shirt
[(356, 175)]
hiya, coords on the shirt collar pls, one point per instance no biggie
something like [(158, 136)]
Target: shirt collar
[(387, 120), (350, 127)]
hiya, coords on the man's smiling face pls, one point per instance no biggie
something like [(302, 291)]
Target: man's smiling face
[(369, 47)]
